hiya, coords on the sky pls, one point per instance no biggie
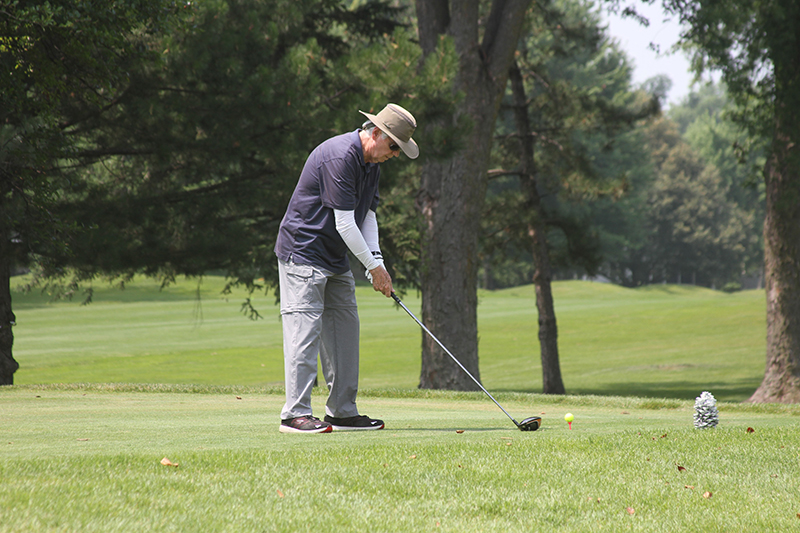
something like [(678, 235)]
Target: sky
[(635, 41)]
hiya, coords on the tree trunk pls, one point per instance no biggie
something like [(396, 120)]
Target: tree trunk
[(7, 363), (781, 382), (449, 275), (542, 274), (452, 191)]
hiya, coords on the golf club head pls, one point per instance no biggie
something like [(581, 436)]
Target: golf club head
[(530, 424)]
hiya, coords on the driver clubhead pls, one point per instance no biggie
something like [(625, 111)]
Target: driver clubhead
[(530, 424)]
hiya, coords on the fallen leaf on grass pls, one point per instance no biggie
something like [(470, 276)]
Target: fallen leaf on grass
[(751, 430), (412, 456), (167, 462), (238, 397), (707, 495), (459, 431), (82, 440), (280, 494), (630, 510), (691, 487), (681, 469)]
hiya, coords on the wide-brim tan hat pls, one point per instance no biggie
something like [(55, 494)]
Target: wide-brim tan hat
[(398, 124)]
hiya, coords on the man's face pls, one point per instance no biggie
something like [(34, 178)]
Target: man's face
[(383, 148)]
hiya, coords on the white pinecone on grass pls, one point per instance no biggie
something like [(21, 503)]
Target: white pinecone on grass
[(706, 414)]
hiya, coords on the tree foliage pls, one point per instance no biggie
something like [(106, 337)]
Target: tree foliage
[(189, 167), (681, 220), (695, 228), (584, 114), (61, 65), (200, 155), (737, 156)]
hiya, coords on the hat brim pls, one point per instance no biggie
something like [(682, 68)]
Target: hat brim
[(409, 148)]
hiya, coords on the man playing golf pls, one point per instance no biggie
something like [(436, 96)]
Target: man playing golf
[(332, 210)]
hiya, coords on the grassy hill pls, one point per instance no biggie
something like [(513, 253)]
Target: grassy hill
[(660, 341)]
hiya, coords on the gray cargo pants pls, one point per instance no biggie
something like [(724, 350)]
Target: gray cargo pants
[(320, 317)]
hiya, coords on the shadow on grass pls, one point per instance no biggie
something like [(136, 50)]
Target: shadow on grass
[(735, 391), (37, 299), (451, 430), (723, 391)]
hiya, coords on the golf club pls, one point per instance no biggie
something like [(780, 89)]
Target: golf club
[(531, 423)]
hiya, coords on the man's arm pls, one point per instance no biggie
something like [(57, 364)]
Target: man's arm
[(365, 247)]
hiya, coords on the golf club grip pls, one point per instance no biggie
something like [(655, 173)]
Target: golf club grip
[(453, 357)]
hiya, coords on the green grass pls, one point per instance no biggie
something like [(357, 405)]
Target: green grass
[(659, 341), (106, 391), (87, 458)]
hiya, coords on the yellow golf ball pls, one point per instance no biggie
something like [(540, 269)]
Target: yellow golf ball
[(568, 417)]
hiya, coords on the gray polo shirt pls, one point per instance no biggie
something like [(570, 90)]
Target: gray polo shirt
[(335, 176)]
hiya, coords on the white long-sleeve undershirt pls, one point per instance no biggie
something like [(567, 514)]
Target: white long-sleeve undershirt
[(362, 242)]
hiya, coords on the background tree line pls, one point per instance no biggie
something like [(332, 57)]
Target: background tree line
[(165, 138), (684, 209)]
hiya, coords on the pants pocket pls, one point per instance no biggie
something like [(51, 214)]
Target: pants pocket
[(301, 287)]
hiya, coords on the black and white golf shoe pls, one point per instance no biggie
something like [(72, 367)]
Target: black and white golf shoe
[(354, 423)]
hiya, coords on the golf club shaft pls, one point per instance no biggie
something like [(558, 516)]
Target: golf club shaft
[(453, 357)]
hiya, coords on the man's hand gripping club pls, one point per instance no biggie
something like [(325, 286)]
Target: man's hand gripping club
[(381, 280)]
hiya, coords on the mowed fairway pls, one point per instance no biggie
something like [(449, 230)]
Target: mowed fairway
[(89, 458), (105, 392), (660, 341)]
